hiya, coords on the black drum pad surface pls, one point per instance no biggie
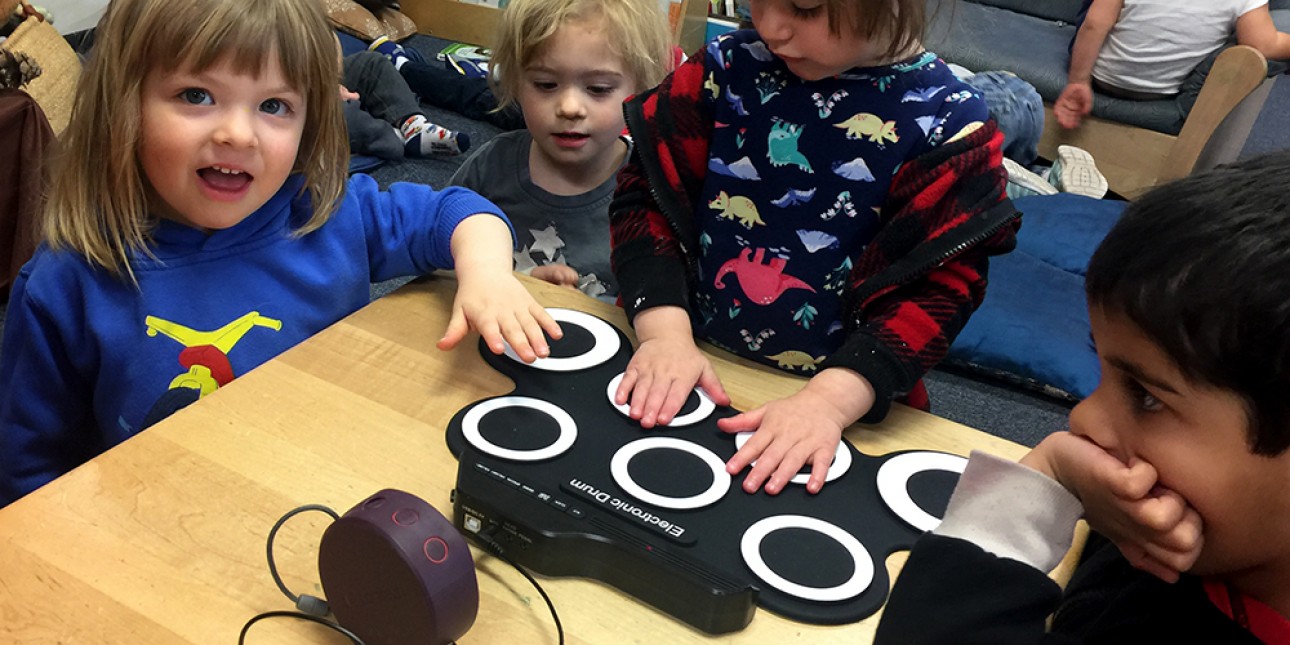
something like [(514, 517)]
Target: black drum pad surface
[(578, 488)]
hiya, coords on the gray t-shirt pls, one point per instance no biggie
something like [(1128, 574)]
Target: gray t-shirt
[(550, 229)]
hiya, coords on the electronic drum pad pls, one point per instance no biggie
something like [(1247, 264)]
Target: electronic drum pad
[(570, 486)]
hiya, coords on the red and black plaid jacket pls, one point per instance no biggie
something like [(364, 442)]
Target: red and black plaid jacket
[(913, 287)]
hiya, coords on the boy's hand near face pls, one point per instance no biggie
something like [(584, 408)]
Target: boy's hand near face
[(489, 297), (803, 428), (665, 368), (1154, 527)]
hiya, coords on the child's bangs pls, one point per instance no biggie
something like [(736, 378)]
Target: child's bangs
[(198, 35)]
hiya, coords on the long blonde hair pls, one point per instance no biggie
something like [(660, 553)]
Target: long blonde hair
[(635, 29), (98, 204)]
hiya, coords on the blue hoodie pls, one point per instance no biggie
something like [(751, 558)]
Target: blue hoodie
[(88, 359)]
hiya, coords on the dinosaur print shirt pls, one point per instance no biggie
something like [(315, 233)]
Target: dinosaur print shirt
[(797, 175), (89, 359), (920, 265)]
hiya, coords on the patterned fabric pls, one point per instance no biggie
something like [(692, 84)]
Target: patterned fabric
[(776, 201)]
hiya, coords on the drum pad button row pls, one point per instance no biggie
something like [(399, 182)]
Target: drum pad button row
[(541, 496)]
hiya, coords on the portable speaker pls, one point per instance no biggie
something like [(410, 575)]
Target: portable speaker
[(395, 570)]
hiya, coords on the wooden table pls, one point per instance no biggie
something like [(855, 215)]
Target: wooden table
[(161, 539)]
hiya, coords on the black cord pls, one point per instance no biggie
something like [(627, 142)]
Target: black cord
[(241, 638), (313, 608), (311, 605), (497, 550)]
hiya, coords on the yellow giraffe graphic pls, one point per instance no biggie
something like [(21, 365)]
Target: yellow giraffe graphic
[(224, 338), (203, 373)]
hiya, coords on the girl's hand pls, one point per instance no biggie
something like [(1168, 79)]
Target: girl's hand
[(503, 312), (800, 429), (489, 297), (665, 368), (1153, 526)]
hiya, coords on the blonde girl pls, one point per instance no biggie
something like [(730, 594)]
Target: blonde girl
[(200, 223)]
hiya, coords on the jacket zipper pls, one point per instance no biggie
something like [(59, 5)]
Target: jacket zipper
[(880, 282), (664, 206)]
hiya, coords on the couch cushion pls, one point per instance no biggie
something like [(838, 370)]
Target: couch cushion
[(1036, 49), (1032, 328), (1063, 10), (1281, 18)]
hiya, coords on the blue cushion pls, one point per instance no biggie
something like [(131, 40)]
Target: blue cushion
[(1064, 229), (1032, 328)]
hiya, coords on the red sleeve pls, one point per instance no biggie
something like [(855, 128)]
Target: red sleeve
[(652, 228), (919, 281)]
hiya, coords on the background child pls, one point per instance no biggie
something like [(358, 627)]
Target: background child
[(379, 98), (454, 84), (569, 65), (1179, 457), (200, 224), (819, 195), (1143, 49)]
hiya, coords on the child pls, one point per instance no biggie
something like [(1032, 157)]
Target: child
[(201, 224), (819, 195), (376, 97), (1143, 49), (569, 65), (1179, 457), (457, 84)]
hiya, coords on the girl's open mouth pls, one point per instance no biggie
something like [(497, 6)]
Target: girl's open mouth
[(223, 183)]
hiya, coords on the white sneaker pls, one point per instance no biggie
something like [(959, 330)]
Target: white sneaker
[(1075, 172), (1023, 183)]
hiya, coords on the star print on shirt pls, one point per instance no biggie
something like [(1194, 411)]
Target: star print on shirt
[(547, 241)]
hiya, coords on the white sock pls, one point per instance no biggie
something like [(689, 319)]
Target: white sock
[(422, 138)]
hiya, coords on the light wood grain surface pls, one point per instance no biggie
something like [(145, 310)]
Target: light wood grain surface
[(161, 539)]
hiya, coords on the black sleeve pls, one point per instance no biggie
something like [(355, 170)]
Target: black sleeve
[(952, 591)]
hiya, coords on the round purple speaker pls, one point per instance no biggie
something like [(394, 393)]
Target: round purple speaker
[(395, 570)]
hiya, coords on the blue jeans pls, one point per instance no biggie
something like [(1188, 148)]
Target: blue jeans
[(1017, 108)]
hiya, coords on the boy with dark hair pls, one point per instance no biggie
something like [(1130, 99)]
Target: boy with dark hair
[(1179, 458)]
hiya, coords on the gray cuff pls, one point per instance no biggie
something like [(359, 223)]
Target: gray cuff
[(1012, 512)]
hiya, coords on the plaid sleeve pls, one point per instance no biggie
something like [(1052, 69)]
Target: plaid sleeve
[(899, 331), (650, 218)]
